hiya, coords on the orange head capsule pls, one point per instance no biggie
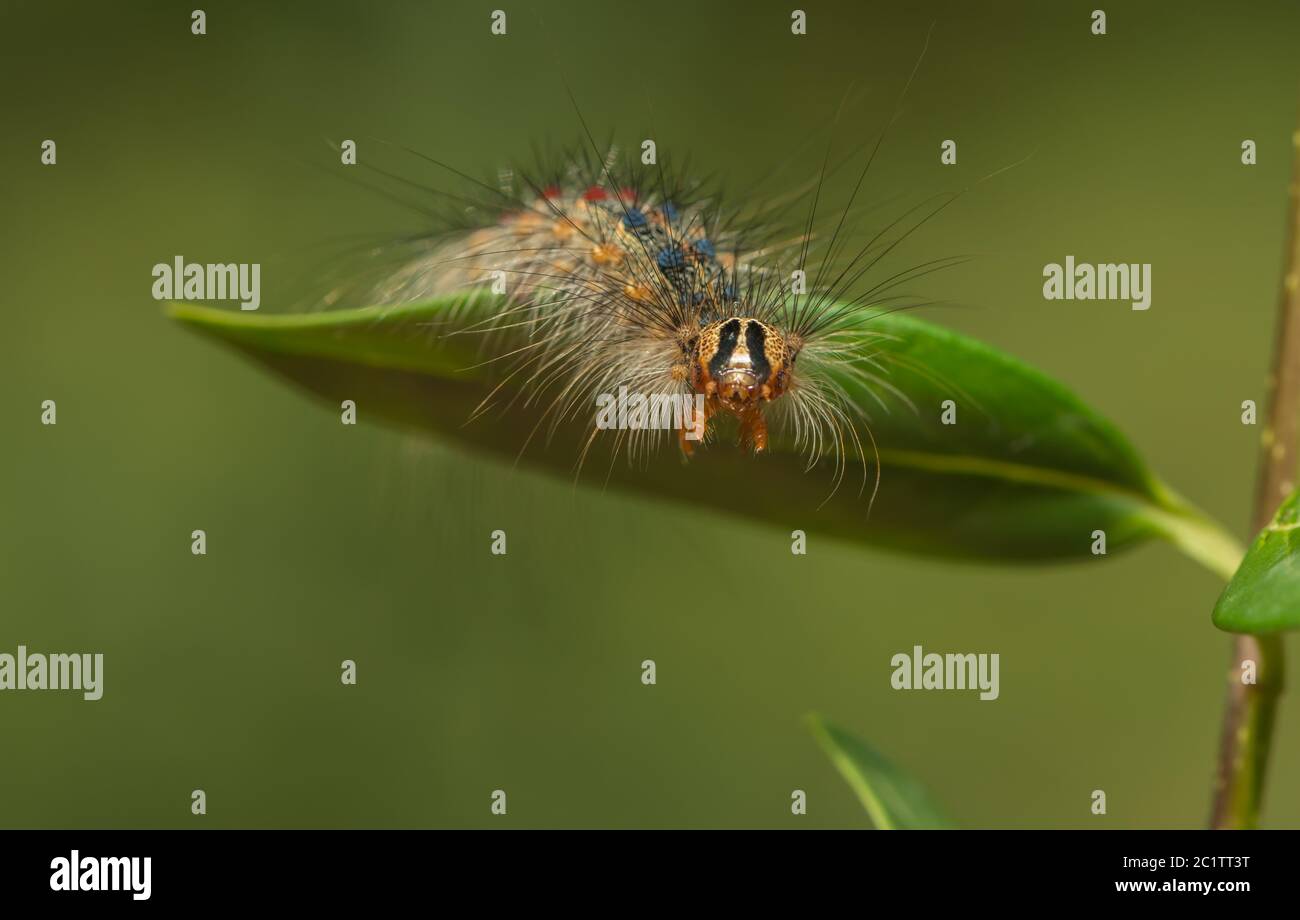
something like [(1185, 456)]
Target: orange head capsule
[(739, 364), (742, 362)]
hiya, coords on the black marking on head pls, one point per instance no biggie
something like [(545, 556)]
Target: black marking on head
[(755, 340), (727, 338)]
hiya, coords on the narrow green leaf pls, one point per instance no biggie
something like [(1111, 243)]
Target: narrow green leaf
[(1264, 595), (894, 800), (1028, 472)]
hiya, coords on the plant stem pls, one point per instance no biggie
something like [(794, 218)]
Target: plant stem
[(1201, 539), (1248, 716)]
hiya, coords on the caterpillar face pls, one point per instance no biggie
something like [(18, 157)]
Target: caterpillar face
[(741, 362)]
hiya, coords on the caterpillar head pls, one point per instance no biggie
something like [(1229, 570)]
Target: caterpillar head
[(742, 363)]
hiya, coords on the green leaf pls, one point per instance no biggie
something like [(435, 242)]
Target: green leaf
[(1264, 594), (894, 800), (1028, 472)]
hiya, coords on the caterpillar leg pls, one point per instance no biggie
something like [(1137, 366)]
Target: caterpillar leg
[(753, 431), (688, 447), (696, 425)]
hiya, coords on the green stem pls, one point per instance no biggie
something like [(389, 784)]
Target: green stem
[(1201, 539), (1247, 732), (1251, 707)]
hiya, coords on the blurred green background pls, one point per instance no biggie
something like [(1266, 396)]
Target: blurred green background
[(522, 673)]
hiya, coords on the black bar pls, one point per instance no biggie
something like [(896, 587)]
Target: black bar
[(370, 868)]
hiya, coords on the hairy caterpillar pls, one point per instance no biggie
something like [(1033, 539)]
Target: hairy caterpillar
[(618, 278)]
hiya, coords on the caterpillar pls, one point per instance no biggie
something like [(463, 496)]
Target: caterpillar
[(655, 286)]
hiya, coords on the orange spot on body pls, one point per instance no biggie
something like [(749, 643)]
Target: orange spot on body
[(527, 222), (638, 292)]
